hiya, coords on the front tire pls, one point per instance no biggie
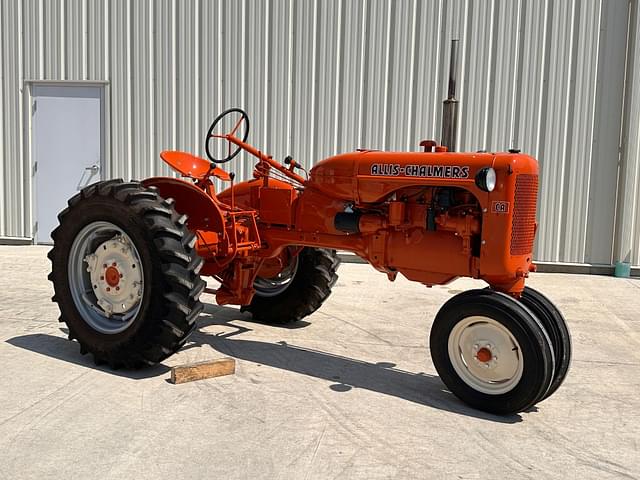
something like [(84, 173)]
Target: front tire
[(125, 274), (556, 327), (491, 352), (303, 293)]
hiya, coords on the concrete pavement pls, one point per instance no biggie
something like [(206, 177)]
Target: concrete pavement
[(350, 393)]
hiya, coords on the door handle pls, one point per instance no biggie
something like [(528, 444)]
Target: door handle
[(92, 172)]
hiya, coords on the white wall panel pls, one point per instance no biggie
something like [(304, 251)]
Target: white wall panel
[(320, 77), (627, 237)]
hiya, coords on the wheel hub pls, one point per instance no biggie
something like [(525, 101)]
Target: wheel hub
[(115, 276), (485, 355), (112, 275)]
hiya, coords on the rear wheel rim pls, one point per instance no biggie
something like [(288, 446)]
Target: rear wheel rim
[(271, 287), (485, 355), (105, 277)]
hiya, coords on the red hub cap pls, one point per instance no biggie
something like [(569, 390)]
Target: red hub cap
[(484, 355), (112, 276)]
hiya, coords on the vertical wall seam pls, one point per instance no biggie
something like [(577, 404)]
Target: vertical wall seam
[(314, 84), (595, 126), (544, 80), (387, 81), (107, 76), (569, 108), (363, 67), (243, 70), (516, 78), (25, 167), (465, 40), (196, 80), (295, 87), (41, 40), (490, 91), (516, 140), (152, 87), (290, 80), (3, 209), (337, 116), (63, 46), (438, 57), (265, 91), (220, 51), (243, 49), (543, 101), (107, 71), (174, 75), (85, 39), (268, 55), (413, 65), (129, 82)]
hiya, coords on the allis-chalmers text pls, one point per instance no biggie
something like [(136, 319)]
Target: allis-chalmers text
[(433, 171)]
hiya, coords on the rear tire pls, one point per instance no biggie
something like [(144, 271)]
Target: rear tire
[(167, 305), (310, 286), (556, 327), (491, 352)]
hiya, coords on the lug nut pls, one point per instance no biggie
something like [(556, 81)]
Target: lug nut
[(101, 277), (117, 288), (108, 289)]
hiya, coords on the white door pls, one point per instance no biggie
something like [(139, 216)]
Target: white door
[(66, 144)]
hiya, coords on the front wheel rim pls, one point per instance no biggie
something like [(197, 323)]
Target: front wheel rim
[(485, 355), (105, 277)]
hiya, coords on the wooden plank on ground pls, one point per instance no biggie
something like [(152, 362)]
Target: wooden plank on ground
[(202, 370)]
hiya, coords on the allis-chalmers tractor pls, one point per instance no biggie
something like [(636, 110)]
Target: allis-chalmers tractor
[(128, 257)]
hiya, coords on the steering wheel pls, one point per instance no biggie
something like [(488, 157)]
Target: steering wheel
[(243, 120)]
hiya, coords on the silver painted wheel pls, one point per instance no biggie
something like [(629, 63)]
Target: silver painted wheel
[(271, 287), (105, 277), (485, 355)]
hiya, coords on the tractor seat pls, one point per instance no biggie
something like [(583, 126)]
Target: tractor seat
[(191, 166)]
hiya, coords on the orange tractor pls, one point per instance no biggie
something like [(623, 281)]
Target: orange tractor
[(128, 257)]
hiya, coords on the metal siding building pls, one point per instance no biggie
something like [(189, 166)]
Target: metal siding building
[(559, 79)]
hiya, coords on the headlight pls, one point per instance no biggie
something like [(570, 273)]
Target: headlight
[(486, 179)]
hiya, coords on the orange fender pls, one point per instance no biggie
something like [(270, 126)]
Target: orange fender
[(202, 210)]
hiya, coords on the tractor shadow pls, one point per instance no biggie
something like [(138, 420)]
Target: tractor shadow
[(344, 373), (62, 349)]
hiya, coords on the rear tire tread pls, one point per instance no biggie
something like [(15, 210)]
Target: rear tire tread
[(179, 263), (308, 290)]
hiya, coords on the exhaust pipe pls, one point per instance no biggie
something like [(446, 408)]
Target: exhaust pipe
[(450, 105)]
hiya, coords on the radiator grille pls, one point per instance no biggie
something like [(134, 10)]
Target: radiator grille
[(523, 228)]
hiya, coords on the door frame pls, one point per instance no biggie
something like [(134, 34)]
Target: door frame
[(105, 135)]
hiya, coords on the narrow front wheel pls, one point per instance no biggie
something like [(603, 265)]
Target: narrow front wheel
[(492, 352)]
